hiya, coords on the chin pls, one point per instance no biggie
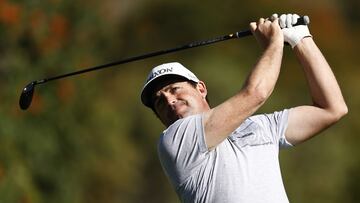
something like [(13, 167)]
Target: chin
[(173, 118), (176, 115), (184, 113)]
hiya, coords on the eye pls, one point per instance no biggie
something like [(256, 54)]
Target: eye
[(174, 89)]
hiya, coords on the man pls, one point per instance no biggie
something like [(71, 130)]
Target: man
[(224, 154)]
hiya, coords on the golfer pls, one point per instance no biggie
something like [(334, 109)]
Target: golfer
[(225, 154)]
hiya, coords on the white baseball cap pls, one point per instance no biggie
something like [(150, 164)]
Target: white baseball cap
[(167, 69)]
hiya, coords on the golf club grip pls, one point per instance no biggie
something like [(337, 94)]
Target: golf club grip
[(303, 20)]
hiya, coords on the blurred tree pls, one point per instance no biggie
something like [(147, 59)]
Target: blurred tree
[(89, 139)]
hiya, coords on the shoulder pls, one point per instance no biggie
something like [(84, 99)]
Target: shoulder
[(270, 118), (182, 127), (184, 123), (273, 124), (183, 136)]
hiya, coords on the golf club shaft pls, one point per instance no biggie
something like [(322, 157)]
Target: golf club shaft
[(304, 20), (157, 53)]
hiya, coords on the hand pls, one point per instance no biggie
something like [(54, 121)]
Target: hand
[(293, 35), (267, 31)]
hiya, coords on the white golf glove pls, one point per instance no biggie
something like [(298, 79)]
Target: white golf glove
[(293, 34)]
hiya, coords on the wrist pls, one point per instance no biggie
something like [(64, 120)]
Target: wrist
[(276, 43), (294, 35), (304, 43)]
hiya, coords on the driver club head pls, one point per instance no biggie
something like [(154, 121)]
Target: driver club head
[(27, 95)]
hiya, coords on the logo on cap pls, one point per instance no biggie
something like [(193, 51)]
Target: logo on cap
[(173, 68), (160, 72)]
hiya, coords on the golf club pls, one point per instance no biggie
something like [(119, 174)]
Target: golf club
[(28, 92)]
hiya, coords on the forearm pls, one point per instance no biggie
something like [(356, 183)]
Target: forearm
[(328, 106), (265, 73), (220, 121), (324, 89), (226, 117), (259, 84)]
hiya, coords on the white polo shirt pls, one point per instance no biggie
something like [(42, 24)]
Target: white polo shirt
[(243, 168)]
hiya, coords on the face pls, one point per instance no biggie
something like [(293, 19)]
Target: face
[(178, 100)]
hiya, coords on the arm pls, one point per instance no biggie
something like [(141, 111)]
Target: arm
[(328, 103), (220, 121)]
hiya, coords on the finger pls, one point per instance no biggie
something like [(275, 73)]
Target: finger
[(282, 21), (267, 21), (295, 18), (288, 20), (274, 16), (276, 21), (261, 21), (253, 26)]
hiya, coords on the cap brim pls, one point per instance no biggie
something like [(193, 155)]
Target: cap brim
[(157, 84)]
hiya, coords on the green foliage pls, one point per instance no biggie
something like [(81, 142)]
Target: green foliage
[(89, 139)]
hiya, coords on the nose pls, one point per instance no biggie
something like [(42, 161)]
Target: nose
[(171, 99)]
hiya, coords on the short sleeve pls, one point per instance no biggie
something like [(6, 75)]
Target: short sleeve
[(276, 124), (182, 148)]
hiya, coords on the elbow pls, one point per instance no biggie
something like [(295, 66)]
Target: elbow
[(339, 112), (342, 111), (260, 95)]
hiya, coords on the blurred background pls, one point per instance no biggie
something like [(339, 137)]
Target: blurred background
[(89, 139)]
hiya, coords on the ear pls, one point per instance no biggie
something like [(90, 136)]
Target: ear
[(201, 87)]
